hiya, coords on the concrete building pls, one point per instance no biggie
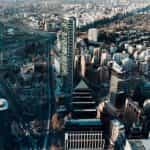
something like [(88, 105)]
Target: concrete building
[(132, 112), (83, 66), (118, 84), (92, 34), (68, 41)]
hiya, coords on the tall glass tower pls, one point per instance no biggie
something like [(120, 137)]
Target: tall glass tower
[(68, 43)]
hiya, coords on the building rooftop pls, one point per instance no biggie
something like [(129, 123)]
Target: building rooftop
[(143, 144), (82, 85), (83, 122)]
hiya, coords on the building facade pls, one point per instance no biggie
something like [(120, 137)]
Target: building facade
[(93, 34), (68, 43)]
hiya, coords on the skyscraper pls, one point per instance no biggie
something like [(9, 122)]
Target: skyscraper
[(68, 41)]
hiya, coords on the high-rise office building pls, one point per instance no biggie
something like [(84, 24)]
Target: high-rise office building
[(68, 43)]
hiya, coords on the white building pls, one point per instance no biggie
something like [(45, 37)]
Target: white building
[(93, 34)]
